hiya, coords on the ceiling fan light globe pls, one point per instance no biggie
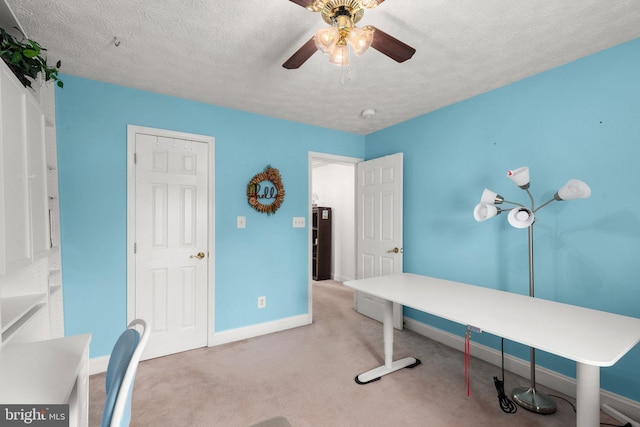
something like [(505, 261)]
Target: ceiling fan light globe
[(326, 39), (339, 55), (360, 39), (368, 4), (316, 5)]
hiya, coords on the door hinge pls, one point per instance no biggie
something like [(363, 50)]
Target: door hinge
[(135, 248), (135, 158)]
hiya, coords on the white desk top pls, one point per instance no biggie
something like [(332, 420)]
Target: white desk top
[(584, 335), (41, 372)]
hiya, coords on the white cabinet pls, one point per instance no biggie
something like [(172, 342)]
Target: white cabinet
[(27, 376), (15, 250), (30, 276)]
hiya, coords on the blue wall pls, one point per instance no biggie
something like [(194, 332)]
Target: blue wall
[(576, 121), (579, 121), (269, 257)]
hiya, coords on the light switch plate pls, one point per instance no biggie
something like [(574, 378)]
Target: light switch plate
[(298, 222), (242, 222)]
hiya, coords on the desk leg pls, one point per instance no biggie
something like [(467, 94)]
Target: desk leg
[(587, 395), (389, 365)]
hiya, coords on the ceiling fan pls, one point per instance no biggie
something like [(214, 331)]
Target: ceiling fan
[(342, 15)]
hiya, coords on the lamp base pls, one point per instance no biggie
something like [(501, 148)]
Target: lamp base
[(532, 400)]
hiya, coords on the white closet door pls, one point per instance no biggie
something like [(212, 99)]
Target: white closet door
[(171, 206)]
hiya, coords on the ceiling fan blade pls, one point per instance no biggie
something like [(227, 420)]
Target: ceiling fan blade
[(302, 54), (391, 46), (303, 3)]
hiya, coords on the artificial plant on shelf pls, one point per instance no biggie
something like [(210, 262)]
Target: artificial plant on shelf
[(26, 60)]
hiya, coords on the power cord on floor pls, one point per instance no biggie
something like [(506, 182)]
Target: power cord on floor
[(506, 404), (574, 410)]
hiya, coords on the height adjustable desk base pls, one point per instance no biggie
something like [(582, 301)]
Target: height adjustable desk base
[(375, 374)]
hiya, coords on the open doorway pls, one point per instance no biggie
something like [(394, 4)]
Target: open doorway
[(332, 185)]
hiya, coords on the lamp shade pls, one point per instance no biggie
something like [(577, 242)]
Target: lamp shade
[(520, 177), (484, 211), (574, 189), (491, 198), (521, 217)]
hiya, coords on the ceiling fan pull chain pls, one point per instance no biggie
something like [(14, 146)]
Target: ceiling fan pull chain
[(342, 74)]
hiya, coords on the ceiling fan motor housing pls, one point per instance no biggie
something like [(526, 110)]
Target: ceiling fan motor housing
[(336, 11)]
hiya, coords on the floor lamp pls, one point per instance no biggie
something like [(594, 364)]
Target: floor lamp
[(522, 217)]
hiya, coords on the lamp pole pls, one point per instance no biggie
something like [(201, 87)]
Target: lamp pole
[(528, 397)]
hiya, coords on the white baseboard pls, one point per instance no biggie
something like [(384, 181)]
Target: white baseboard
[(98, 365), (238, 334), (341, 279), (546, 377)]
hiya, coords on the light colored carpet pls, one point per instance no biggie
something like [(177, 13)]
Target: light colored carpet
[(306, 375)]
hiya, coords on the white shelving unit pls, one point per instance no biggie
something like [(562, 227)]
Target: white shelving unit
[(31, 304), (18, 310)]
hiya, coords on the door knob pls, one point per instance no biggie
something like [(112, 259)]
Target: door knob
[(393, 251), (200, 255)]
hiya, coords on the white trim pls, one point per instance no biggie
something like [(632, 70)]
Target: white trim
[(210, 141), (546, 377), (342, 278), (98, 365), (259, 329)]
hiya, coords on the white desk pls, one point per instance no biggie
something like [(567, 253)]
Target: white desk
[(591, 338), (48, 372)]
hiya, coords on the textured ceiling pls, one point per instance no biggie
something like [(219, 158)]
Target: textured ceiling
[(230, 52)]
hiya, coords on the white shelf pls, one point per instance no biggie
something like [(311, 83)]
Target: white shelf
[(31, 303), (16, 311)]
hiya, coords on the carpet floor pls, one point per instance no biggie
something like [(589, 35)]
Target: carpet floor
[(306, 375)]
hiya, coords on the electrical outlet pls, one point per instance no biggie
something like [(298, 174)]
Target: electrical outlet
[(242, 222), (262, 302), (298, 222)]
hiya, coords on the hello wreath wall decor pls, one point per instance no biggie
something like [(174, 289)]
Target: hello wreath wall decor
[(266, 191)]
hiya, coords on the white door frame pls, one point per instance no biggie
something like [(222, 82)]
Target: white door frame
[(131, 216), (328, 158)]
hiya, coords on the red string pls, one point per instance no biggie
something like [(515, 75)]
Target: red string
[(467, 359)]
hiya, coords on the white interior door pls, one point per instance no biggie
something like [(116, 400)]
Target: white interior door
[(171, 241), (379, 235)]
